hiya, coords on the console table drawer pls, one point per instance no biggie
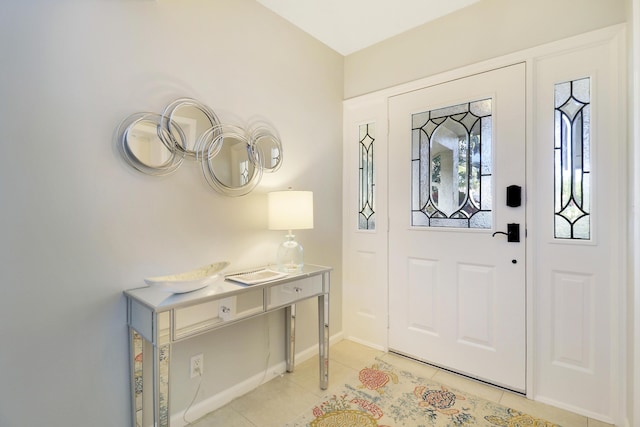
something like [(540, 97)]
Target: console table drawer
[(242, 305), (288, 293), (209, 315)]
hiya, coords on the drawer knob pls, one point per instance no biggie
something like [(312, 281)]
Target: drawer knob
[(297, 289), (225, 310)]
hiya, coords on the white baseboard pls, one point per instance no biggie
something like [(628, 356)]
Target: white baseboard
[(218, 400), (313, 350), (366, 343), (574, 409)]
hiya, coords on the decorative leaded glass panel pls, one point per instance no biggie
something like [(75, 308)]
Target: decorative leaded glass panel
[(572, 160), (366, 185), (451, 171)]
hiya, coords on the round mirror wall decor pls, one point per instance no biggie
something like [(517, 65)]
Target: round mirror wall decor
[(232, 159), (147, 147), (192, 118), (229, 163), (265, 142)]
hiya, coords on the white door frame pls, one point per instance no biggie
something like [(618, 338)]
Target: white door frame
[(371, 107)]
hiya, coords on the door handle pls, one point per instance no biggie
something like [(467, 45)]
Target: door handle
[(513, 233)]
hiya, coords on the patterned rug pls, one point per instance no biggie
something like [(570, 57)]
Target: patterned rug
[(383, 396)]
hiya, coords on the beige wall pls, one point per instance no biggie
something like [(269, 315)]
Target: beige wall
[(80, 226), (485, 30), (633, 302)]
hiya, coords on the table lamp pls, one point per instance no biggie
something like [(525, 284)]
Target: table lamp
[(290, 210)]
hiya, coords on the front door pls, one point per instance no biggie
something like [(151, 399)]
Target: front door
[(456, 241)]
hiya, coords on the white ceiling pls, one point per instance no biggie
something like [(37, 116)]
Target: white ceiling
[(350, 25)]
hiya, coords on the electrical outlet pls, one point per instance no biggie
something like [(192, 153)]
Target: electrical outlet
[(197, 366)]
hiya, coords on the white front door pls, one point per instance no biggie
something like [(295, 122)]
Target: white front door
[(456, 283)]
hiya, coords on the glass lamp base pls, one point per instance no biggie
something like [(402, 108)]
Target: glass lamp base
[(290, 257)]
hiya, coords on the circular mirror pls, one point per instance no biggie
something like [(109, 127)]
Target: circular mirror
[(266, 143), (192, 119), (147, 146), (229, 163)]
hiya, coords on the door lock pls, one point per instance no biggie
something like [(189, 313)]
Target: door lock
[(513, 233), (514, 196)]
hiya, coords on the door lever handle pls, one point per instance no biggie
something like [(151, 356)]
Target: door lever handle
[(513, 233)]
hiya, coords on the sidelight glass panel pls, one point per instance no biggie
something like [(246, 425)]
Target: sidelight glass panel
[(366, 185), (452, 167), (572, 160)]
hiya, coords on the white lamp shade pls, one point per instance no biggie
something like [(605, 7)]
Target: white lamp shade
[(290, 210)]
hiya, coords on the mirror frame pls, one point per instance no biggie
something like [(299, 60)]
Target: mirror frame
[(190, 148), (212, 142), (168, 141), (261, 135)]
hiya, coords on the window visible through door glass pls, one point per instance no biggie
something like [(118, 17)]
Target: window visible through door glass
[(451, 173)]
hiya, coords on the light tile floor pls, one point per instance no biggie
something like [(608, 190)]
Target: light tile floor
[(283, 399)]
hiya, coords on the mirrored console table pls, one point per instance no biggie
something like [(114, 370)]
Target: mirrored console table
[(157, 319)]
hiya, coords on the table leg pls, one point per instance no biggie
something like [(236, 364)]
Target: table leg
[(290, 336), (161, 385), (156, 386), (323, 339), (135, 372)]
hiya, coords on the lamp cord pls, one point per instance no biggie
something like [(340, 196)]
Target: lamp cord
[(264, 376), (184, 415)]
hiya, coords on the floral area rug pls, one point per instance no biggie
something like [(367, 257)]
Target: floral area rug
[(383, 396)]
